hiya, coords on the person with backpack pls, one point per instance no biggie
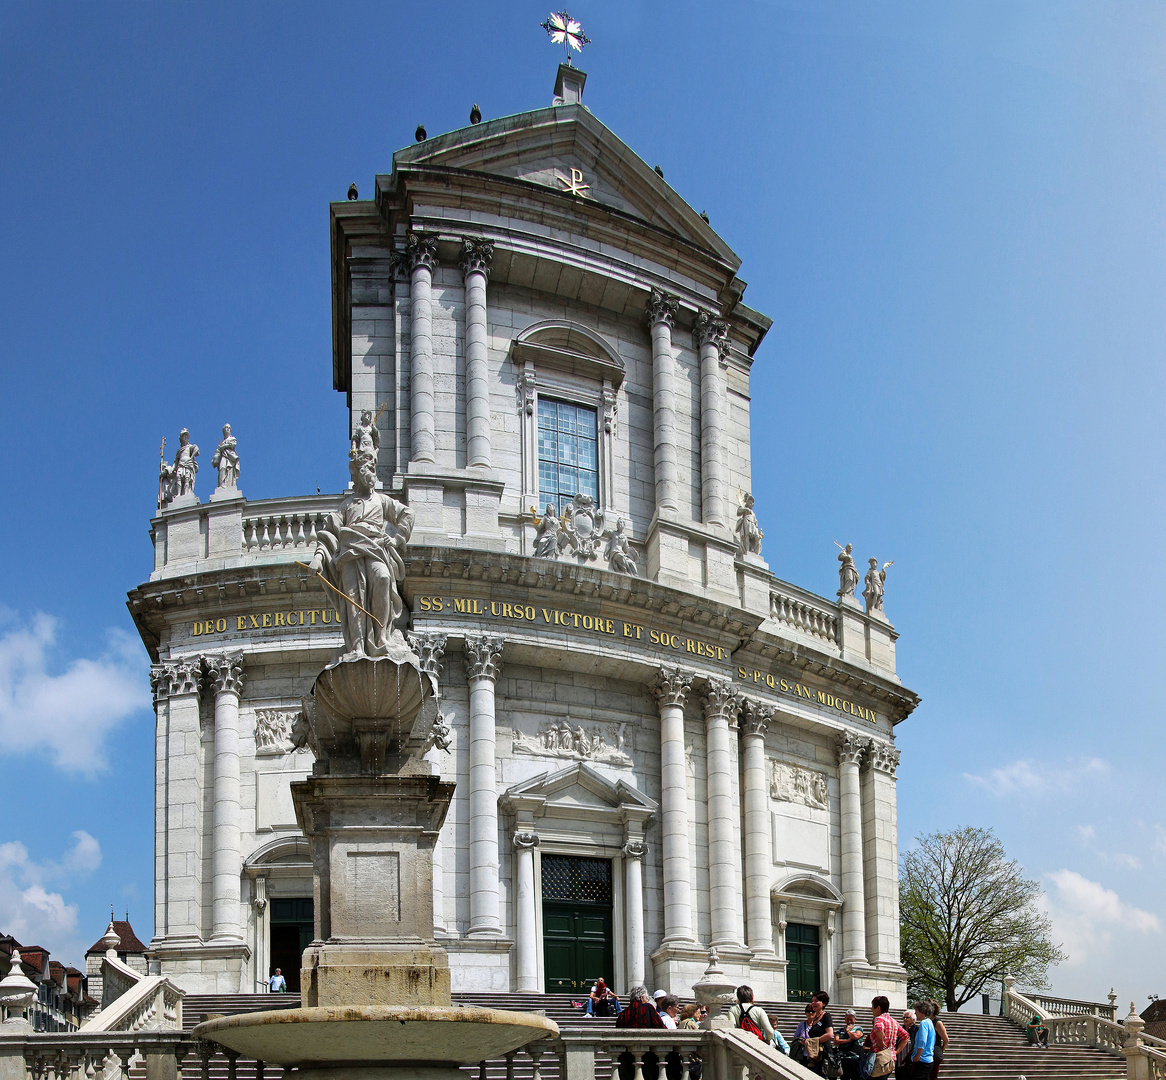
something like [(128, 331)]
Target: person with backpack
[(746, 1016)]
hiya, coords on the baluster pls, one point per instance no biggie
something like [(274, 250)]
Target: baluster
[(535, 1074), (262, 527), (111, 1067), (686, 1071), (232, 1058), (246, 535), (481, 1070), (510, 1066), (204, 1054), (258, 1070), (312, 519)]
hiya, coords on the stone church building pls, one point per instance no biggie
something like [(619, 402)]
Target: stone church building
[(659, 746)]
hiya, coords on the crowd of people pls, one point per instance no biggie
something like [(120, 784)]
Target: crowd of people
[(909, 1050)]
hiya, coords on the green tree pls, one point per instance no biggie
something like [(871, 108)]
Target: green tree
[(968, 917)]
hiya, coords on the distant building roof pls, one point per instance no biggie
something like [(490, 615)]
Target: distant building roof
[(1155, 1012), (129, 940)]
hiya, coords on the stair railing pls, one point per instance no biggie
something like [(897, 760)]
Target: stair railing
[(79, 1055)]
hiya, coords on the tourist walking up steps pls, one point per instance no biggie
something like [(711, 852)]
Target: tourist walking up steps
[(941, 1039), (923, 1055), (749, 1017), (797, 1048)]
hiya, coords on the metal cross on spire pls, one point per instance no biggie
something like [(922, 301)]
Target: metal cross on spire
[(562, 27)]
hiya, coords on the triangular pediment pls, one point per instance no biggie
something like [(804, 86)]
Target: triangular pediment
[(579, 788), (565, 149)]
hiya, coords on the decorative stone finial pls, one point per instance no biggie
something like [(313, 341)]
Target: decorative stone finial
[(111, 941), (17, 992)]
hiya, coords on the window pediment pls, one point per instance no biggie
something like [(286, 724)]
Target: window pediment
[(571, 347)]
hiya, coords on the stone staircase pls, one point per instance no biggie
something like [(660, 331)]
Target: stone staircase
[(982, 1047)]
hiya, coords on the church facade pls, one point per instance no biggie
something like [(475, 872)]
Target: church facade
[(660, 748)]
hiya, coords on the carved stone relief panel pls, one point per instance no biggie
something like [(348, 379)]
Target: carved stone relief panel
[(603, 743), (793, 783), (273, 731)]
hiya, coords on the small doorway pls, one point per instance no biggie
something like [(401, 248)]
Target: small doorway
[(577, 938), (292, 929), (801, 953)]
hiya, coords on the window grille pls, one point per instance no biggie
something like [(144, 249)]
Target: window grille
[(577, 881)]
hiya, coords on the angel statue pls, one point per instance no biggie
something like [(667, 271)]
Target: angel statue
[(619, 554), (749, 532), (847, 572), (875, 585), (547, 539)]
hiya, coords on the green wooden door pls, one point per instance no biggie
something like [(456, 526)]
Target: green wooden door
[(577, 947), (801, 953)]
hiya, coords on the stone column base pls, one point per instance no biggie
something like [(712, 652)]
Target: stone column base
[(856, 984), (204, 967)]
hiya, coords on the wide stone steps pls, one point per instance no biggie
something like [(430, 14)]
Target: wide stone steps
[(982, 1047)]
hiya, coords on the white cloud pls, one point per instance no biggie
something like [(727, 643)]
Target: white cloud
[(67, 715), (1086, 916), (1035, 779), (33, 914)]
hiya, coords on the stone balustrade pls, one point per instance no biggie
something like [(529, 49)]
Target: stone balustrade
[(84, 1055), (153, 1003), (283, 525), (803, 614), (1056, 1006)]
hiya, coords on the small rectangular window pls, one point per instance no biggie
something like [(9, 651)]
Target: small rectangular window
[(568, 458)]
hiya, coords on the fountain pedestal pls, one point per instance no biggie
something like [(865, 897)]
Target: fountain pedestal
[(375, 984)]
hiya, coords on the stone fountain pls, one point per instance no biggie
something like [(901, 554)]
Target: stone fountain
[(375, 984)]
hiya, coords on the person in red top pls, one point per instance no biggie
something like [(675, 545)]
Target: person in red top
[(640, 1013), (886, 1030)]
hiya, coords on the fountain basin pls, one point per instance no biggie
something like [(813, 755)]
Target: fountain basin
[(377, 1040)]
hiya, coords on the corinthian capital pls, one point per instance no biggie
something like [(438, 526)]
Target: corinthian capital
[(483, 653), (755, 717), (884, 757), (477, 254), (671, 685), (176, 677), (420, 250), (851, 748), (661, 308), (720, 700), (225, 671), (430, 648), (709, 330)]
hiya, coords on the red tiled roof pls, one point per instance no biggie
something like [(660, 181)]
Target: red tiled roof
[(34, 956), (129, 940), (57, 971)]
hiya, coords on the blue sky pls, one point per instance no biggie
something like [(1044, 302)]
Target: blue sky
[(953, 213)]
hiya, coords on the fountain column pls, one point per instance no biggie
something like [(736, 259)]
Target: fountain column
[(526, 950), (850, 751), (483, 657), (758, 913), (671, 686), (720, 711), (226, 675)]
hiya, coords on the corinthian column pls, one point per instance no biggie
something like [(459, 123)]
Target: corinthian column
[(661, 312), (671, 686), (720, 711), (421, 258), (430, 648), (182, 684), (476, 258), (483, 656), (226, 676), (526, 944), (711, 337), (633, 855), (850, 751), (755, 720)]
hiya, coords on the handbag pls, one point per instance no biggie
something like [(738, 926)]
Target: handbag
[(831, 1063), (884, 1062), (812, 1047)]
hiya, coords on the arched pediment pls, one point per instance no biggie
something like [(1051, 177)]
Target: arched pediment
[(283, 855), (570, 346), (807, 889)]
